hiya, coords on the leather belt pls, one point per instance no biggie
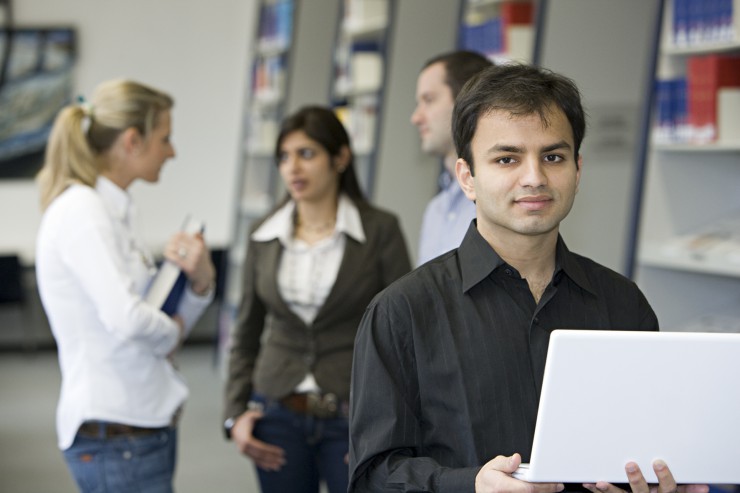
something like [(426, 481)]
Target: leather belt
[(317, 405), (98, 429)]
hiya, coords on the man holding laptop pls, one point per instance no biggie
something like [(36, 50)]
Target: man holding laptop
[(449, 360)]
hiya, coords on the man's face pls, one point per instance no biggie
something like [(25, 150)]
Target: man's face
[(526, 176), (433, 113)]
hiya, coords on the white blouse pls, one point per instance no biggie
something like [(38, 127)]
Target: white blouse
[(92, 273)]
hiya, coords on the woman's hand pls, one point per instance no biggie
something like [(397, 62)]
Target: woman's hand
[(264, 455), (190, 253)]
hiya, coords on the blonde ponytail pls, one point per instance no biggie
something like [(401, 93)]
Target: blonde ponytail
[(82, 134), (69, 158)]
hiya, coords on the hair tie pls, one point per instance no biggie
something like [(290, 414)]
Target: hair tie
[(87, 111)]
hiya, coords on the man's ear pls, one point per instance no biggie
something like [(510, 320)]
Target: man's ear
[(465, 178), (578, 172)]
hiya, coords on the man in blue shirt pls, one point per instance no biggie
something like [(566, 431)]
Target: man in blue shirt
[(449, 213)]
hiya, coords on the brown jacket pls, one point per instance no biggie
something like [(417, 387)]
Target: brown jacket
[(273, 349)]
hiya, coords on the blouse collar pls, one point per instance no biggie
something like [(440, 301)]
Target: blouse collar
[(280, 224), (117, 200)]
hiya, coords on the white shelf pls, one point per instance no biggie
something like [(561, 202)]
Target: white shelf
[(718, 147), (265, 99), (702, 49), (356, 93), (667, 255), (272, 47), (480, 3)]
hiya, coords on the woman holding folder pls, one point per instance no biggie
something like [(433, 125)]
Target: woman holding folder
[(120, 394)]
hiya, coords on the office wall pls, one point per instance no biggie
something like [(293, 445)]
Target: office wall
[(605, 47), (198, 51), (406, 178)]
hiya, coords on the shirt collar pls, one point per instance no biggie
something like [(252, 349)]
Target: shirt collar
[(568, 263), (477, 258), (280, 224), (477, 261), (117, 200)]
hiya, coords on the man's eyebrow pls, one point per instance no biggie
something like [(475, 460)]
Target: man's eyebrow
[(558, 145), (505, 148), (518, 150)]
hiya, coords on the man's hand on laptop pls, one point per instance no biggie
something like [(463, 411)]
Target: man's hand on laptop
[(666, 483), (495, 477)]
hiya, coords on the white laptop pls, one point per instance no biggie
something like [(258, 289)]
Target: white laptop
[(610, 397)]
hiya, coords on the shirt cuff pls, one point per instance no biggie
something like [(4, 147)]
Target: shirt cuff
[(458, 480)]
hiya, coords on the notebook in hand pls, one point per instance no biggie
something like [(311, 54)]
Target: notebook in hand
[(169, 283), (611, 397)]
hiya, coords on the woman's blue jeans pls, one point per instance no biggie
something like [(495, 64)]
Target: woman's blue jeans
[(315, 450), (145, 464)]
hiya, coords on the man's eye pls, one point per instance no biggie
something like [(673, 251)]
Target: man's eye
[(505, 160), (307, 153), (553, 158)]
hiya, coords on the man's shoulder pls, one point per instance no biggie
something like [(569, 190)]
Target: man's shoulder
[(605, 281), (426, 284), (597, 270)]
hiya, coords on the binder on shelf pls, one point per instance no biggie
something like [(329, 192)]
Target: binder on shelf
[(366, 68), (368, 15), (706, 74), (728, 115), (169, 283)]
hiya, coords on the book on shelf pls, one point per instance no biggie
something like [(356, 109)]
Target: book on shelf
[(697, 22), (671, 112), (506, 30), (276, 25), (168, 284)]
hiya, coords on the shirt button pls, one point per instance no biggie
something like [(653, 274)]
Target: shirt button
[(536, 320), (507, 272), (126, 455)]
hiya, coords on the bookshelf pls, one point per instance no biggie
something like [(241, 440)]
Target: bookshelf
[(289, 64), (687, 251), (266, 104), (503, 30), (359, 71)]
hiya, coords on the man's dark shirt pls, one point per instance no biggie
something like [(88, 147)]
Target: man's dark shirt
[(449, 362)]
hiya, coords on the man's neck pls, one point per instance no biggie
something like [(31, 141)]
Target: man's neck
[(532, 256)]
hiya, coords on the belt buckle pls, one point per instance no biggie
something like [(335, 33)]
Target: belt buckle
[(322, 406)]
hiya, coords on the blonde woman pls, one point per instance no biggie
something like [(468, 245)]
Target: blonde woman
[(120, 394)]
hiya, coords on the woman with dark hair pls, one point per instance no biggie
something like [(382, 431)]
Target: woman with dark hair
[(312, 267)]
